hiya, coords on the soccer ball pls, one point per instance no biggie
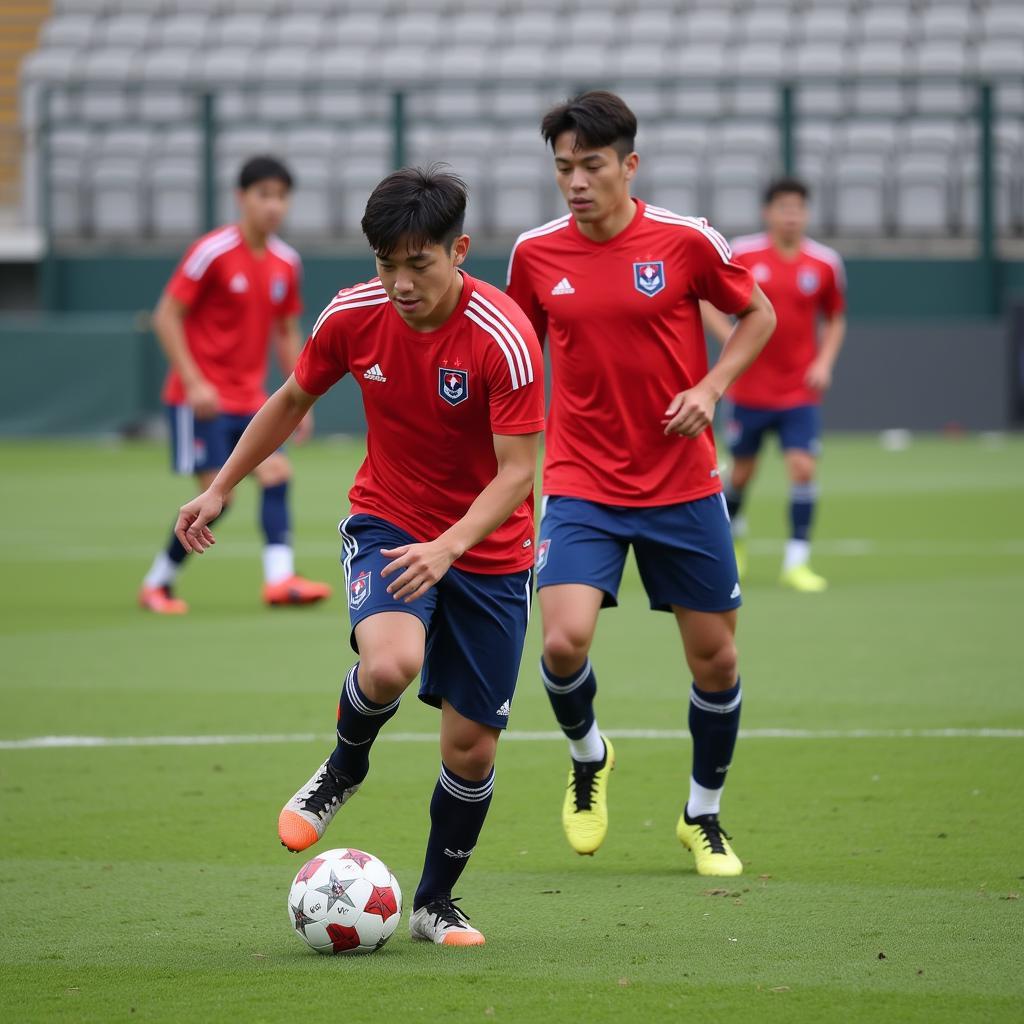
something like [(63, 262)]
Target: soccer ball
[(345, 901)]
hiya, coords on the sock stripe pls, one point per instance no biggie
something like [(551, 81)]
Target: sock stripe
[(573, 684), (718, 709), (357, 700), (467, 794), (803, 492)]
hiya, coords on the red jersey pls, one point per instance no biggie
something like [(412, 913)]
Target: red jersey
[(802, 289), (433, 401), (234, 298), (625, 330)]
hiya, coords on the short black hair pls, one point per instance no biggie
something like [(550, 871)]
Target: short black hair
[(423, 205), (786, 186), (264, 168), (598, 118)]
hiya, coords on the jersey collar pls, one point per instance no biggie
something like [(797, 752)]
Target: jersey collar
[(624, 234)]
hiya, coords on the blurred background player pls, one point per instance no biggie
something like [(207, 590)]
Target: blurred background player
[(781, 392), (630, 458), (235, 290), (438, 548)]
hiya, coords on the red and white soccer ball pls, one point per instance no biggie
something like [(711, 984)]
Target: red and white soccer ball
[(345, 901)]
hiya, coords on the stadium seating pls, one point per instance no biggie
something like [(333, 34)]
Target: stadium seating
[(883, 96)]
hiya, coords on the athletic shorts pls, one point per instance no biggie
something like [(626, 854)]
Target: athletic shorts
[(475, 622), (799, 429), (684, 552), (200, 445)]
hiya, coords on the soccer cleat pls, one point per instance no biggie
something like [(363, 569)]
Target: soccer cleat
[(585, 809), (305, 817), (739, 547), (295, 590), (704, 837), (161, 600), (803, 579), (444, 924)]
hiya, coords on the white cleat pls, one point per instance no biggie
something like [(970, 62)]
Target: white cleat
[(444, 924), (305, 817)]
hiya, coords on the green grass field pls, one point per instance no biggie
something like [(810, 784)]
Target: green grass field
[(885, 853)]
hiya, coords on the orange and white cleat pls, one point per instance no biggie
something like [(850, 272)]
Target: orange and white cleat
[(161, 600), (295, 590), (444, 924), (304, 819)]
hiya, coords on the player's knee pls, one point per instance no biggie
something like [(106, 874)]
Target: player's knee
[(717, 668), (471, 756), (801, 468), (384, 677), (565, 648), (275, 471)]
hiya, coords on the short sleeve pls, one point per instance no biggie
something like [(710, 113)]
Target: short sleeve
[(192, 274), (715, 275), (514, 367), (833, 295), (519, 289), (324, 359)]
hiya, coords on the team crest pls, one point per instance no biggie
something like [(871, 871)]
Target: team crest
[(278, 289), (359, 590), (453, 385), (542, 554), (649, 277), (807, 280)]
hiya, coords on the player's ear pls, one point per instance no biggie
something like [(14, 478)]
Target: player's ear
[(631, 164), (460, 250)]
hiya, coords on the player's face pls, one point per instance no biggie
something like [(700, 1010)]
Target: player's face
[(422, 281), (595, 182), (786, 216), (264, 205)]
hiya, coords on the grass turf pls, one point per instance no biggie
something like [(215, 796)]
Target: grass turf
[(146, 883)]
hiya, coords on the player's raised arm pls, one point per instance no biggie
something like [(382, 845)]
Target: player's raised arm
[(267, 431)]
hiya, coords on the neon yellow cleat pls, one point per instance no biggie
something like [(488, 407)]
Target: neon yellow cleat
[(585, 810), (804, 579), (739, 547), (704, 838)]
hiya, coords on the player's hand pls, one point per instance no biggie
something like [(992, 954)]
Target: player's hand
[(304, 431), (203, 398), (192, 527), (421, 565), (819, 376), (690, 413)]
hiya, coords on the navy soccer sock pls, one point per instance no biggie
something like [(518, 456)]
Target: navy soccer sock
[(359, 721), (274, 514), (457, 812), (572, 699), (802, 498), (714, 725), (175, 550)]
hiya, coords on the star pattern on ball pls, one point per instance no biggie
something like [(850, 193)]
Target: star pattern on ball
[(382, 902), (343, 938), (308, 870), (358, 857), (301, 918), (336, 890)]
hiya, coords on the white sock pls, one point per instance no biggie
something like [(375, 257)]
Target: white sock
[(278, 563), (163, 571), (739, 527), (702, 800), (798, 552), (590, 747)]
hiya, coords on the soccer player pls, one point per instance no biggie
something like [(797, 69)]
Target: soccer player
[(234, 290), (630, 458), (781, 393), (438, 548)]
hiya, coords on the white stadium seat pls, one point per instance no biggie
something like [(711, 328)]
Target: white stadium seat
[(861, 204), (922, 196)]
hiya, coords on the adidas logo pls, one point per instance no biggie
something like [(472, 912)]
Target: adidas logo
[(735, 592), (239, 283), (503, 710), (563, 288), (457, 854), (376, 373)]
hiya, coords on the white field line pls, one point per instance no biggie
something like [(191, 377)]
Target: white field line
[(54, 742)]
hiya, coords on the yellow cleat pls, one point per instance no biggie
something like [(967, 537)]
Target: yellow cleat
[(585, 810), (704, 838), (804, 579), (739, 547)]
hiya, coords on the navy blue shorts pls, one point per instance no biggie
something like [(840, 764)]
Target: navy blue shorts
[(684, 552), (799, 428), (199, 445), (475, 622)]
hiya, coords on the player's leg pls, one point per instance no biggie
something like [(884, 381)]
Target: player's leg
[(745, 434), (472, 663), (579, 567), (281, 585), (390, 642), (198, 447), (686, 563), (800, 438)]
